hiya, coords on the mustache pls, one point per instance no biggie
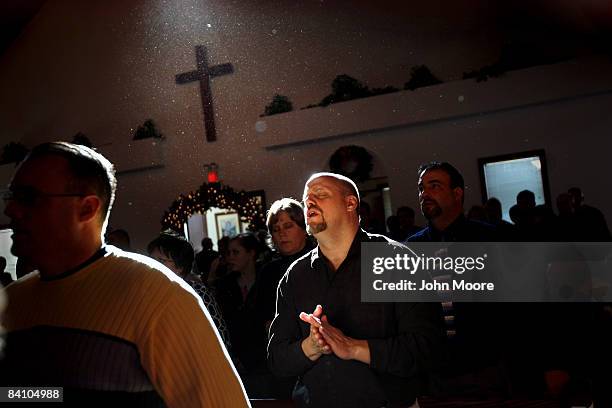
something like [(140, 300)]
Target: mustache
[(426, 203), (315, 207)]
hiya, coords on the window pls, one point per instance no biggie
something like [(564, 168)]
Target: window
[(503, 177)]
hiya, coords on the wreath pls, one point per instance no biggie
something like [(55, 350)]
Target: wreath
[(209, 195), (353, 162)]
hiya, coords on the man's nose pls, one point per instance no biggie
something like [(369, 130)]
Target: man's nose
[(309, 201)]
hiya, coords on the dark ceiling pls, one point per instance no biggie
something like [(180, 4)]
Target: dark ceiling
[(564, 24), (14, 15)]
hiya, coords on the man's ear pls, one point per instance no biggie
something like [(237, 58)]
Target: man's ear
[(351, 203), (90, 205), (458, 193)]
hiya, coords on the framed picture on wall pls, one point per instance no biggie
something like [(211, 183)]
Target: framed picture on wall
[(504, 176), (228, 224)]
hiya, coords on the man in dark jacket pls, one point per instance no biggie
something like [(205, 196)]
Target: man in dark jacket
[(473, 329), (347, 353)]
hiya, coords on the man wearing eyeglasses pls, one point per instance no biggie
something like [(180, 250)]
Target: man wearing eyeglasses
[(109, 326)]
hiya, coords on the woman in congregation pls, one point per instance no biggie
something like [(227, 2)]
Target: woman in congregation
[(239, 297), (287, 228)]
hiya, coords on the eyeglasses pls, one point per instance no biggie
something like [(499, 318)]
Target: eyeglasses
[(29, 196)]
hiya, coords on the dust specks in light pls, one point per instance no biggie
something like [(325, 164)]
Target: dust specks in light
[(261, 126)]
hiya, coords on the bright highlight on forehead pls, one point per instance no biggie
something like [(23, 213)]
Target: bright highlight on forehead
[(439, 174), (342, 183), (321, 182)]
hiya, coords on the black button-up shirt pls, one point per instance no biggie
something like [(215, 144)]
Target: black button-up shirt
[(404, 338)]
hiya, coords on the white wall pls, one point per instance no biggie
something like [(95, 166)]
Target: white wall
[(561, 108), (197, 225)]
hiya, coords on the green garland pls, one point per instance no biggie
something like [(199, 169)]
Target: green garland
[(213, 195)]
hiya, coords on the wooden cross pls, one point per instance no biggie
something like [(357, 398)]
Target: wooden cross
[(203, 74)]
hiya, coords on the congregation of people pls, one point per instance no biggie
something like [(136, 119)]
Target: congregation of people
[(484, 359), (246, 287)]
